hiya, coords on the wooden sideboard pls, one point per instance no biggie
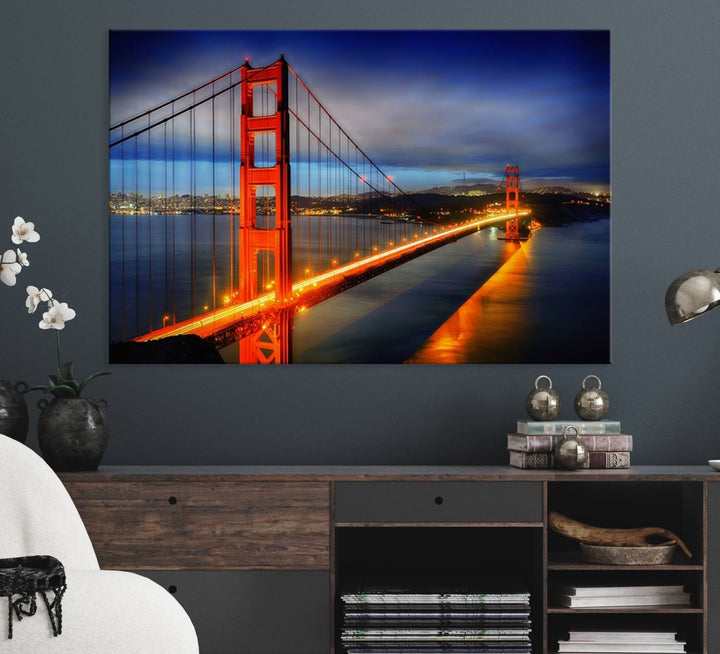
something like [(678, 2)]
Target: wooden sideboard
[(259, 555)]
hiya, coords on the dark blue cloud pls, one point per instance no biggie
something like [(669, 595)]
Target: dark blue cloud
[(418, 102)]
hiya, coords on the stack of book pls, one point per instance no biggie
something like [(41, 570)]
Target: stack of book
[(383, 621), (531, 446), (583, 597), (648, 642)]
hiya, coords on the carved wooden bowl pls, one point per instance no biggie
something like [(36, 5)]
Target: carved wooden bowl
[(624, 555)]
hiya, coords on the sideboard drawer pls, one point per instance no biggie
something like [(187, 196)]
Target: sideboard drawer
[(442, 501), (219, 525)]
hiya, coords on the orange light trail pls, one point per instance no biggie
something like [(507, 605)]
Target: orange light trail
[(223, 318)]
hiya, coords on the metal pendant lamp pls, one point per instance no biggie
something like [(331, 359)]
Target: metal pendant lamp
[(691, 295)]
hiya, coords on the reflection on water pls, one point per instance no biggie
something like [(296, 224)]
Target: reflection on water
[(478, 300), (475, 301), (170, 267), (490, 324), (385, 319)]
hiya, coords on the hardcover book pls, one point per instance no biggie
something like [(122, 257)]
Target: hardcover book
[(555, 427), (596, 460), (530, 460), (546, 442)]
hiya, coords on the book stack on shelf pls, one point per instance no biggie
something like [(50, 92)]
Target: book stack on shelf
[(583, 597), (531, 446), (384, 621), (597, 642)]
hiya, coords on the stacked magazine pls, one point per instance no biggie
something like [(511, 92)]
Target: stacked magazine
[(387, 621), (599, 642)]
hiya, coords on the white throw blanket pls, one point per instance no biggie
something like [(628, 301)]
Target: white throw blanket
[(104, 612)]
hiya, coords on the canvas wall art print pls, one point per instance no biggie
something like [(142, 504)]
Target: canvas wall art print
[(359, 196)]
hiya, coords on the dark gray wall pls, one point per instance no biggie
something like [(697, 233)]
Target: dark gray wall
[(663, 382)]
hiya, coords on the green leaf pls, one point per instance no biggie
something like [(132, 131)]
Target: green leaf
[(44, 389), (65, 371), (55, 382), (63, 391), (88, 379)]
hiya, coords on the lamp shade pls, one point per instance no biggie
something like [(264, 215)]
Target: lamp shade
[(691, 295)]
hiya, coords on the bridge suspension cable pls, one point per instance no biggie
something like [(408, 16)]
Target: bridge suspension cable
[(175, 201)]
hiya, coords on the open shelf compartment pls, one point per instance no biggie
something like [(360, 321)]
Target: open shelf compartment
[(687, 626), (484, 559), (676, 506)]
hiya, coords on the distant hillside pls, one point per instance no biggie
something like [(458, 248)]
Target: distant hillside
[(551, 205), (461, 189), (562, 190), (492, 189), (559, 209)]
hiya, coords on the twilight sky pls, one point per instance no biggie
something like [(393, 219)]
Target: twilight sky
[(429, 107)]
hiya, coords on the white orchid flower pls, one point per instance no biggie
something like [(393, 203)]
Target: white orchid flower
[(36, 296), (56, 316), (9, 267), (22, 258), (22, 231)]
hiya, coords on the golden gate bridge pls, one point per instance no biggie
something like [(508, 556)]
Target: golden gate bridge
[(197, 248)]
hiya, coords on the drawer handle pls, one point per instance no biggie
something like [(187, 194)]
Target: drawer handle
[(439, 500), (172, 589), (172, 500)]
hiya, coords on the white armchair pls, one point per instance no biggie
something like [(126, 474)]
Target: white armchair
[(104, 612)]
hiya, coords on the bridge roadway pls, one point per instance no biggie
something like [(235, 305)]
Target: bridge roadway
[(234, 321)]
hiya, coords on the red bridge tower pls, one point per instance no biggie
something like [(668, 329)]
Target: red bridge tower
[(270, 343), (512, 202)]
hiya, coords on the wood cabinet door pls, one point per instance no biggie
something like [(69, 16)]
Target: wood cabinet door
[(254, 611), (145, 524)]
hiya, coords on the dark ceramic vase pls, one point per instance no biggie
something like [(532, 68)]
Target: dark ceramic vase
[(13, 410), (72, 432)]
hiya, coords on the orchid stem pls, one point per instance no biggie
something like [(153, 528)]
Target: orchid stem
[(57, 334)]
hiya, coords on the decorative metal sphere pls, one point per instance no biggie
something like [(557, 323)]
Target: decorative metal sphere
[(591, 403), (543, 403), (570, 452)]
